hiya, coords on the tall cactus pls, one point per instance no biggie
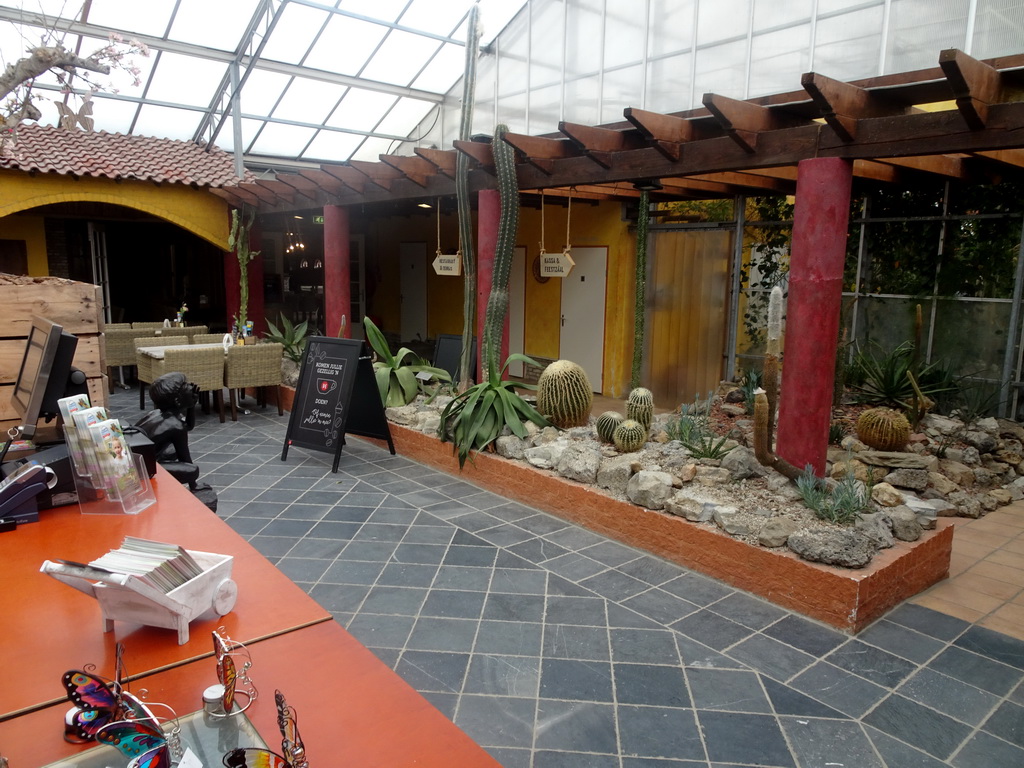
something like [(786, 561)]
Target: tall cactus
[(462, 196), (639, 316), (508, 224), (771, 359), (238, 241)]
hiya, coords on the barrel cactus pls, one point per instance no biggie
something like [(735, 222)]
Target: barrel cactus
[(883, 429), (640, 406), (630, 436), (564, 395), (606, 424)]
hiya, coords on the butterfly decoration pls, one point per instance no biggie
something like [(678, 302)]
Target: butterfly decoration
[(291, 745), (225, 651), (97, 701), (140, 736)]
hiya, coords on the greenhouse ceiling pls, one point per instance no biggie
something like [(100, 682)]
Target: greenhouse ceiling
[(314, 81)]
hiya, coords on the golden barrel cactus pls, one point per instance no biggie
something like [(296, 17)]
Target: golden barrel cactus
[(640, 406), (564, 395), (606, 424), (883, 429), (630, 436)]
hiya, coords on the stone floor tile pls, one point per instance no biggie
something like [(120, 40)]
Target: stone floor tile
[(745, 738), (920, 726)]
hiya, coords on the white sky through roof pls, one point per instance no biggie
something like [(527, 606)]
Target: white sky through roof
[(333, 80)]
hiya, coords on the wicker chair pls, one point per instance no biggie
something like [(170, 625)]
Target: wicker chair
[(148, 326), (146, 366), (203, 367), (120, 348), (193, 330), (166, 333), (253, 365), (208, 338), (117, 327)]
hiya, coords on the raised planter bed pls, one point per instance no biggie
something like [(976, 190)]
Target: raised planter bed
[(845, 599)]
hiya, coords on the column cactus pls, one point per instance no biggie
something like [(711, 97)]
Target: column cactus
[(238, 241), (771, 359), (508, 225), (462, 197), (762, 448), (639, 310)]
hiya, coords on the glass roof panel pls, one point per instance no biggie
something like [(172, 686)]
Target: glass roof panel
[(214, 25), (345, 45), (436, 18), (405, 113), (250, 128), (294, 33), (361, 110), (332, 146), (444, 69), (400, 58), (167, 122), (385, 10), (261, 91), (309, 101), (115, 115), (185, 80), (282, 140), (148, 18), (373, 148)]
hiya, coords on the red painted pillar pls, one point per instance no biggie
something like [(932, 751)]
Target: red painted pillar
[(337, 283), (488, 217), (820, 225)]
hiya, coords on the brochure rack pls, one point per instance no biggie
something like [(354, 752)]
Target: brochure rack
[(127, 598), (103, 495)]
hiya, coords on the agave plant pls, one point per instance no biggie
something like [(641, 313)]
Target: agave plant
[(396, 374), (291, 337), (477, 417)]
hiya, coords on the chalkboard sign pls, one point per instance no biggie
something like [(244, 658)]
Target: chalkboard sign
[(448, 354), (323, 410)]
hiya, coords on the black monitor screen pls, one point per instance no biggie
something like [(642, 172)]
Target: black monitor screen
[(44, 373)]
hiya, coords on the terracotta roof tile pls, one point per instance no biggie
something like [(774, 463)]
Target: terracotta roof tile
[(51, 149)]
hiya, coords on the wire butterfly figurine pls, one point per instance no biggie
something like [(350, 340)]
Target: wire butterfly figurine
[(227, 651), (141, 737), (291, 745), (97, 701)]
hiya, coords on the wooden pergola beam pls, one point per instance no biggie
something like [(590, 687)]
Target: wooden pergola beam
[(541, 152), (302, 185), (442, 159), (413, 167), (1014, 157), (347, 175), (324, 180), (843, 104), (741, 120), (479, 151), (378, 173), (262, 193), (666, 133), (284, 191), (599, 143), (975, 85)]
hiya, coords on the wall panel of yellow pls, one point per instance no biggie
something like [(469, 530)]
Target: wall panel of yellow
[(32, 230), (196, 210)]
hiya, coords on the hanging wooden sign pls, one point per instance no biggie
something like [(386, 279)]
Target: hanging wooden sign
[(556, 264), (448, 264)]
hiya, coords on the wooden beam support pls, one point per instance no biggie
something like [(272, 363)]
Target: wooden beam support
[(479, 151), (666, 133), (741, 120), (600, 143), (347, 175), (940, 165), (975, 85), (413, 167), (541, 152), (283, 191), (300, 184), (378, 173), (748, 180), (264, 194), (229, 197), (329, 184), (1014, 157), (442, 159), (842, 104)]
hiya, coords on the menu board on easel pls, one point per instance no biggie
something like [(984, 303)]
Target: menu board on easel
[(329, 377)]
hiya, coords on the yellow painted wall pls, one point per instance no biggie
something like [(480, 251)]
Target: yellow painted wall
[(32, 230), (195, 210), (591, 225)]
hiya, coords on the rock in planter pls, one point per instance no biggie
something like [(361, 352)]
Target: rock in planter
[(579, 463), (914, 479), (776, 532), (511, 447), (649, 489), (545, 456), (876, 527), (731, 521), (843, 548), (885, 495), (898, 460), (742, 463), (905, 526), (693, 509)]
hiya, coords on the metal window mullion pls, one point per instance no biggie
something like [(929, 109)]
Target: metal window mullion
[(1015, 336), (734, 299)]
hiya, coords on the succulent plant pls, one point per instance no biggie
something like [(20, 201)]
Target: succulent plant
[(640, 406), (564, 395), (883, 429), (606, 424), (630, 436)]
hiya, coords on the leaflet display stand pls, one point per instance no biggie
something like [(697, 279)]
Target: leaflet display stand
[(105, 498)]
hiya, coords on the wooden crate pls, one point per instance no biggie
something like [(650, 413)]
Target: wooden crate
[(75, 306)]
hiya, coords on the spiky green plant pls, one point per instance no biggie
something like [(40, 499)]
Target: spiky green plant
[(396, 374), (630, 436), (606, 424), (640, 406), (238, 241), (564, 395), (291, 337), (640, 306), (847, 500)]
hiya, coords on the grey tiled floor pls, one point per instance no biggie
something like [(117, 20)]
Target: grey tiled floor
[(554, 647)]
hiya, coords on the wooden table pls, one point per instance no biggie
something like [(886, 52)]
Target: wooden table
[(50, 627), (351, 709)]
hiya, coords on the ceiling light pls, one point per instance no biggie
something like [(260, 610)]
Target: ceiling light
[(647, 185), (424, 205)]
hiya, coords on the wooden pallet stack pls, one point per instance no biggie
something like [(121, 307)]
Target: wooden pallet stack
[(76, 306)]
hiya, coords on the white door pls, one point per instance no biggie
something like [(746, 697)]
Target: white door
[(582, 333), (516, 308), (412, 259)]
